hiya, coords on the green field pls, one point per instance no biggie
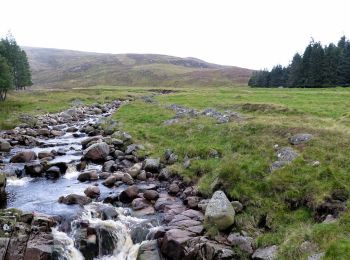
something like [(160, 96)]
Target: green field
[(246, 149)]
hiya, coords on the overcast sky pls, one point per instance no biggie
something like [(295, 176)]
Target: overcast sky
[(248, 33)]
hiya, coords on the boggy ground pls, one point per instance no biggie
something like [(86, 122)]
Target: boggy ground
[(301, 207)]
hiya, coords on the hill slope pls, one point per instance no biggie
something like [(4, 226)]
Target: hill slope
[(54, 68)]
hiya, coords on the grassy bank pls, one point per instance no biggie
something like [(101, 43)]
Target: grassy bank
[(279, 206), (36, 102), (247, 150)]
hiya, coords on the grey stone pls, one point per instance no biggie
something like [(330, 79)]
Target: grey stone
[(300, 138), (219, 211), (266, 253)]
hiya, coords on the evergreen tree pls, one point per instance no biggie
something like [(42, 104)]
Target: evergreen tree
[(331, 60), (295, 72), (17, 59), (277, 76), (343, 71), (6, 81)]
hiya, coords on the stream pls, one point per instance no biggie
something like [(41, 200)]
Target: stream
[(118, 234)]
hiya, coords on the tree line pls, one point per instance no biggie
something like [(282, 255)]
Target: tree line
[(318, 66), (14, 67)]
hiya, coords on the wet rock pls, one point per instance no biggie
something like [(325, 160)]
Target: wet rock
[(61, 152), (129, 194), (192, 202), (56, 133), (92, 191), (109, 182), (151, 195), (174, 243), (61, 165), (174, 189), (74, 199), (266, 253), (85, 143), (97, 152), (23, 157), (39, 246), (72, 129), (135, 170), (4, 242), (3, 181), (149, 251), (4, 146), (139, 203), (34, 169), (219, 211), (152, 165), (44, 132), (53, 172), (245, 244), (45, 154), (81, 166), (300, 139), (88, 176), (127, 179), (107, 166), (104, 175), (142, 176)]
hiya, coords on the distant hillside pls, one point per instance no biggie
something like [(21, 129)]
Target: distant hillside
[(55, 68)]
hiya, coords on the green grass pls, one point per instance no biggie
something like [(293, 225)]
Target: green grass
[(34, 102), (247, 150)]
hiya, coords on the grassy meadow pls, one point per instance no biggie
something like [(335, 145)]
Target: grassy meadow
[(246, 148)]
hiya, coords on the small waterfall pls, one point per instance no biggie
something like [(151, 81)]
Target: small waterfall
[(111, 237), (64, 247)]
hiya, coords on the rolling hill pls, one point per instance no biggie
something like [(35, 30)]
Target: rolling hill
[(56, 68)]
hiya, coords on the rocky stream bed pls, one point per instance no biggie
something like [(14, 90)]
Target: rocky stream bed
[(74, 186)]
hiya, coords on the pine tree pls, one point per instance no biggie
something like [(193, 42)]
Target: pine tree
[(343, 71), (295, 72), (6, 81), (331, 61), (17, 59)]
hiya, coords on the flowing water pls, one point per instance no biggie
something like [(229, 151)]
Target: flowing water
[(118, 238)]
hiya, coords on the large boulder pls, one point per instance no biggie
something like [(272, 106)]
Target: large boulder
[(219, 212), (23, 157), (4, 145), (97, 152)]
